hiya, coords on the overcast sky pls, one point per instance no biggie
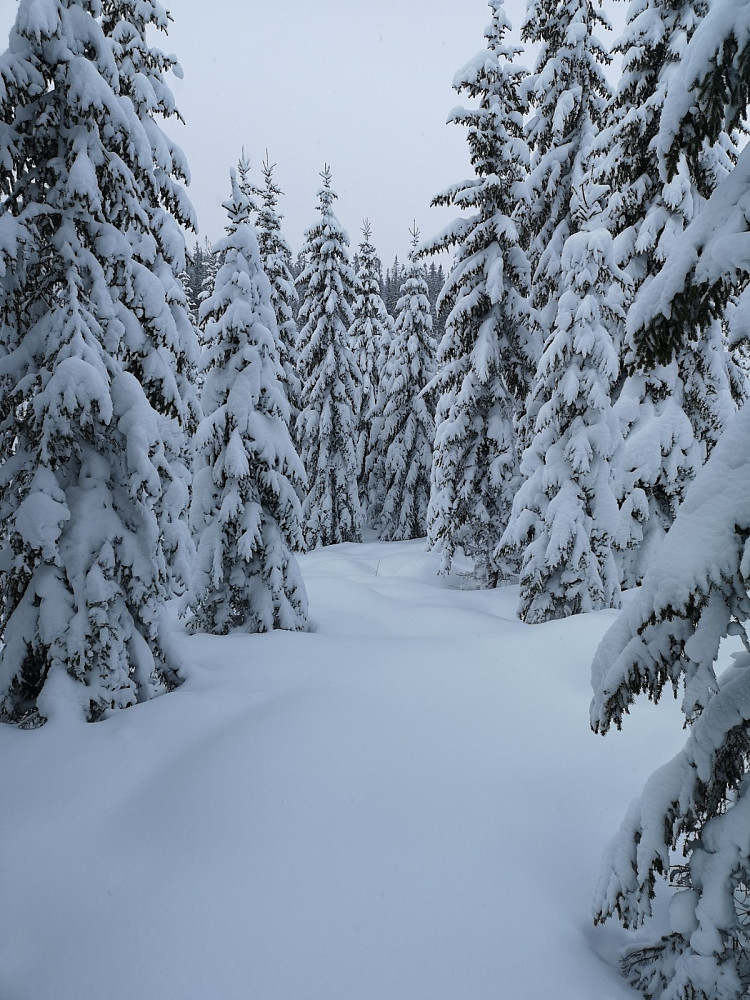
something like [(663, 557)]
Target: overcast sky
[(365, 87)]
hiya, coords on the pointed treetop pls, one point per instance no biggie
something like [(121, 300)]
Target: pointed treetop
[(246, 186), (414, 233), (239, 205), (366, 230), (326, 195), (267, 169), (243, 167)]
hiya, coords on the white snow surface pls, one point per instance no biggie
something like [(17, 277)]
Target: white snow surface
[(404, 803)]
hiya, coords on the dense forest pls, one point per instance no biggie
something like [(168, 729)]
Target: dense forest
[(561, 407)]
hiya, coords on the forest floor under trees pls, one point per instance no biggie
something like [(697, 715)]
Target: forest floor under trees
[(404, 803)]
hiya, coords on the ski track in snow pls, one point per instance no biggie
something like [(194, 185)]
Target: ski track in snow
[(404, 803)]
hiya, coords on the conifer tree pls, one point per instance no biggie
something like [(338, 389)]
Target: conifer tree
[(671, 414), (568, 94), (564, 516), (370, 338), (194, 273), (245, 509), (95, 347), (276, 258), (170, 342), (331, 382), (246, 185), (484, 359), (211, 264), (188, 284), (435, 283), (696, 593), (392, 286), (406, 426), (695, 805)]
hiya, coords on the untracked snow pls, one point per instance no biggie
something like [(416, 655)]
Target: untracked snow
[(405, 803)]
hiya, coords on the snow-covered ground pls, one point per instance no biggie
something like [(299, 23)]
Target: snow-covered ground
[(405, 803)]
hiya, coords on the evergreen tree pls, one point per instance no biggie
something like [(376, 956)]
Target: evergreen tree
[(435, 277), (211, 265), (246, 185), (564, 516), (276, 258), (693, 595), (697, 591), (194, 277), (375, 451), (392, 286), (331, 382), (406, 426), (95, 348), (199, 262), (671, 414), (244, 508), (370, 333), (170, 350), (484, 362), (568, 95), (187, 279), (660, 457)]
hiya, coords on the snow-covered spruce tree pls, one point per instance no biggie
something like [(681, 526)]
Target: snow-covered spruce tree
[(406, 424), (276, 258), (671, 414), (696, 593), (141, 70), (170, 349), (370, 337), (211, 265), (93, 332), (331, 382), (567, 94), (374, 469), (435, 284), (485, 363), (245, 509), (193, 275), (391, 285), (245, 182), (696, 805), (565, 515)]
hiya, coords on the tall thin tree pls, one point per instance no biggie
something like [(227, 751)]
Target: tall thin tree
[(370, 336), (331, 382), (407, 425), (245, 508), (276, 258), (485, 360)]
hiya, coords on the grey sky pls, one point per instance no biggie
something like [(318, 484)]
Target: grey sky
[(365, 87)]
